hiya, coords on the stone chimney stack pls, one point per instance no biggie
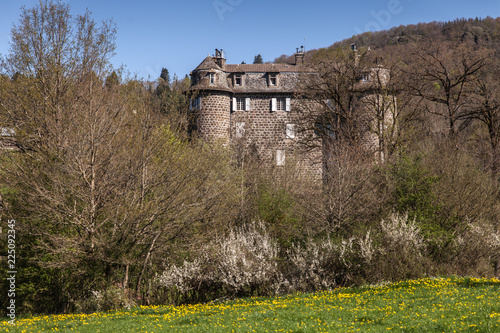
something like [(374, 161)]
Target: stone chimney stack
[(219, 58), (354, 49), (299, 56)]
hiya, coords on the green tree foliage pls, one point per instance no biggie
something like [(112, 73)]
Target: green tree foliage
[(258, 59), (165, 76), (112, 80), (413, 188)]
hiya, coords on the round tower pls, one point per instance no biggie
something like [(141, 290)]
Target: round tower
[(211, 99)]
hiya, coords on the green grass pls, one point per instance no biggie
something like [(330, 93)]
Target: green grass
[(426, 305)]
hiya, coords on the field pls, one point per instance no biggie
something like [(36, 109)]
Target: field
[(425, 305)]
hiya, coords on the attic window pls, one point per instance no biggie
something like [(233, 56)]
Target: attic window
[(237, 80), (212, 78), (273, 79)]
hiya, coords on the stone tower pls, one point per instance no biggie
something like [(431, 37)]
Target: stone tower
[(211, 99)]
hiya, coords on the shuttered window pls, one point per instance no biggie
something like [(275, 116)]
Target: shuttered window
[(290, 131), (240, 129), (280, 104)]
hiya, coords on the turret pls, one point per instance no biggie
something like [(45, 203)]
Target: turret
[(211, 98)]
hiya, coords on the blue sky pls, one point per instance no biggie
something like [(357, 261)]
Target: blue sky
[(179, 34)]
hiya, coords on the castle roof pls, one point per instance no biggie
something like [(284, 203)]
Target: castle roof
[(207, 64), (264, 68)]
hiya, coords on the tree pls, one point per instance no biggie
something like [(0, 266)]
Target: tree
[(485, 107), (335, 103), (340, 114), (258, 59), (104, 184), (444, 76), (112, 80), (165, 76)]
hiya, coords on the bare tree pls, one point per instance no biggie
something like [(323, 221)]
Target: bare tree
[(444, 75), (107, 186), (485, 107)]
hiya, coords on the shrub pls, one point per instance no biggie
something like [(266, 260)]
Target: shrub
[(326, 264), (242, 263), (477, 249), (401, 252)]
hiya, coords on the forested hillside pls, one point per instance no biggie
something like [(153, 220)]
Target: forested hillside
[(482, 32), (117, 202)]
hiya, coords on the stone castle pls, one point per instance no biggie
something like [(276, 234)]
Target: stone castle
[(252, 106)]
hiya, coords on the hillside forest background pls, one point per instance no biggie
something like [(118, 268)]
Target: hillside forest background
[(117, 202)]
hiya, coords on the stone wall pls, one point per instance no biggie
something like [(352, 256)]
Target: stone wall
[(213, 117), (265, 132)]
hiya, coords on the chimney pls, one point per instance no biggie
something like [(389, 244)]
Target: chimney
[(354, 49), (299, 56), (219, 58)]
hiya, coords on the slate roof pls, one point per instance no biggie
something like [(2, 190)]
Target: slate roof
[(264, 68), (208, 63)]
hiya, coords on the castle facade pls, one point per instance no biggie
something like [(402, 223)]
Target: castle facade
[(252, 108)]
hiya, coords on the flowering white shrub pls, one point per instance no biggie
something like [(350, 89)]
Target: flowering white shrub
[(367, 250), (477, 248), (403, 234), (485, 234), (245, 257), (311, 264), (185, 277)]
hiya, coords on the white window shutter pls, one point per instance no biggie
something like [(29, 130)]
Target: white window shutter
[(234, 103), (280, 157), (273, 104), (247, 104), (287, 104)]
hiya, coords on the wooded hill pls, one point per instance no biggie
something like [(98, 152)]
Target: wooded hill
[(482, 32)]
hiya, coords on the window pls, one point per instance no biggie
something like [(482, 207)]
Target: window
[(365, 77), (273, 79), (290, 131), (280, 157), (280, 104), (240, 130), (212, 78), (195, 103), (237, 80), (241, 104)]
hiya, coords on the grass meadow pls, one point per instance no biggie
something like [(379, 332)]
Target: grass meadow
[(425, 305)]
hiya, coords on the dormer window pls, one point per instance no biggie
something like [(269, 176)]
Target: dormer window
[(273, 79), (212, 78), (238, 81)]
